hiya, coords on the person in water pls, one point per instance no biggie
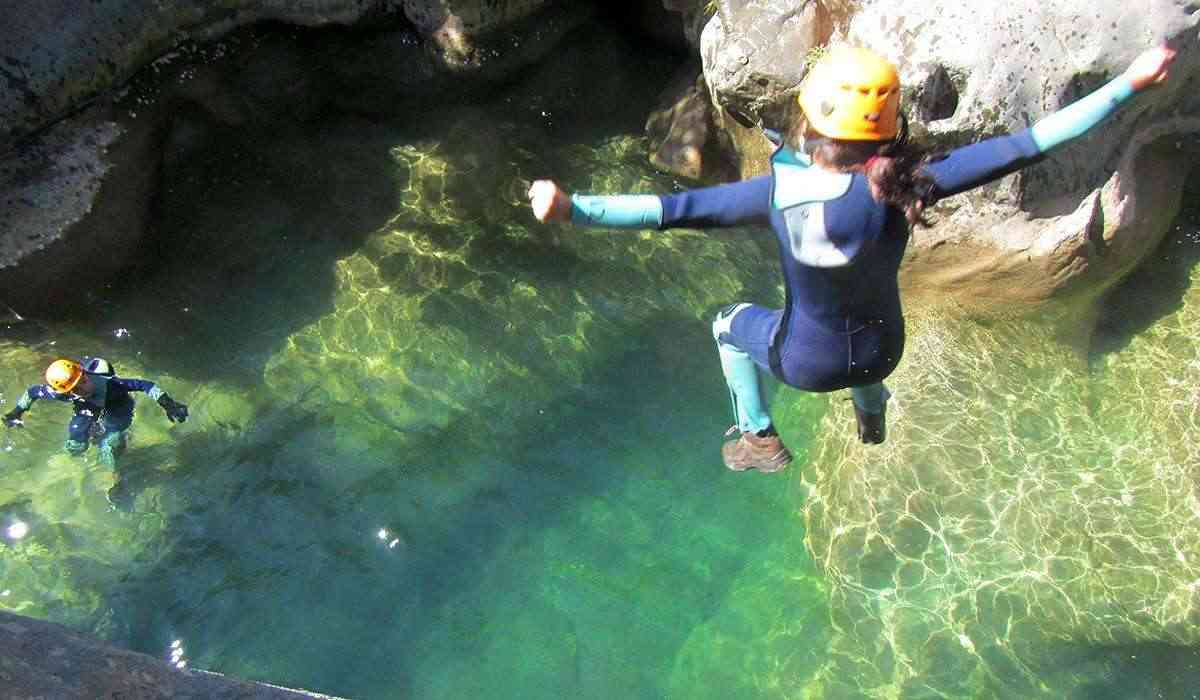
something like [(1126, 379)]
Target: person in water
[(102, 402), (841, 198)]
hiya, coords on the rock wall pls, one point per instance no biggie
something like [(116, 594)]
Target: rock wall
[(77, 192), (44, 660), (57, 55), (1064, 230)]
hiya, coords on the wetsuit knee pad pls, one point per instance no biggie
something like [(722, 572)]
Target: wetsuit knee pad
[(724, 321)]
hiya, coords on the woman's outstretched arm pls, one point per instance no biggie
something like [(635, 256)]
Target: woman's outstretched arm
[(970, 166), (734, 204)]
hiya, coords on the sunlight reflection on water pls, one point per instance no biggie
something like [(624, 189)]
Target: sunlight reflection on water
[(439, 451)]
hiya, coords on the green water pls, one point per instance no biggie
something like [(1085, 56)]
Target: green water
[(438, 451), (435, 450), (1031, 529)]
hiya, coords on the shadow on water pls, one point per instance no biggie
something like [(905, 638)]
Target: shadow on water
[(1150, 670), (269, 558), (247, 216)]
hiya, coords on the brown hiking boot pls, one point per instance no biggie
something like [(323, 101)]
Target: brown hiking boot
[(749, 451)]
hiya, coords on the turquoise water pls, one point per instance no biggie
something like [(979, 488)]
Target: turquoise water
[(438, 451), (435, 450)]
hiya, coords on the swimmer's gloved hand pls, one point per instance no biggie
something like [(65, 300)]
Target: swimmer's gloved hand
[(176, 412), (12, 419)]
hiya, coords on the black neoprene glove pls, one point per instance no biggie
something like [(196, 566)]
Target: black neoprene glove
[(176, 412), (12, 419)]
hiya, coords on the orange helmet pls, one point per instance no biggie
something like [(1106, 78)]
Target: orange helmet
[(852, 95), (63, 375)]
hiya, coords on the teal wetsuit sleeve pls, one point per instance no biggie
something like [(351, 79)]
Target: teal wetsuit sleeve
[(978, 163), (39, 391), (26, 401), (1076, 118), (617, 211)]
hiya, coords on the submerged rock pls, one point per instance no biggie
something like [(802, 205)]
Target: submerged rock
[(463, 312), (681, 130)]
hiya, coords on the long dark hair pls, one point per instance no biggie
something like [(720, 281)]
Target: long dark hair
[(895, 169)]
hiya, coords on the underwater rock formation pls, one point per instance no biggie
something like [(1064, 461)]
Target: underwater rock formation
[(461, 311)]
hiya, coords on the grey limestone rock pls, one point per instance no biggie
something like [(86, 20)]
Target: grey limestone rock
[(1066, 229), (57, 55), (74, 202), (43, 660)]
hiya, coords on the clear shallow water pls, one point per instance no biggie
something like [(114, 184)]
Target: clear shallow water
[(1030, 529), (437, 451)]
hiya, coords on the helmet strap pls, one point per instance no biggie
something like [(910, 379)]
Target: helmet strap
[(897, 144), (810, 143)]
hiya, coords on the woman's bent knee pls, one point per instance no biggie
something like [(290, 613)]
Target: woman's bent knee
[(723, 323)]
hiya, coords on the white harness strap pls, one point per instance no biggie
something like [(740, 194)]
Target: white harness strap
[(724, 321), (810, 241), (801, 193)]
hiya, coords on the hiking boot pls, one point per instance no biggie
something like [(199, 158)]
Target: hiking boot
[(750, 451), (872, 427)]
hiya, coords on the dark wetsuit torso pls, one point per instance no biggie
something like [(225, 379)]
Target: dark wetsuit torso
[(110, 399), (842, 325)]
